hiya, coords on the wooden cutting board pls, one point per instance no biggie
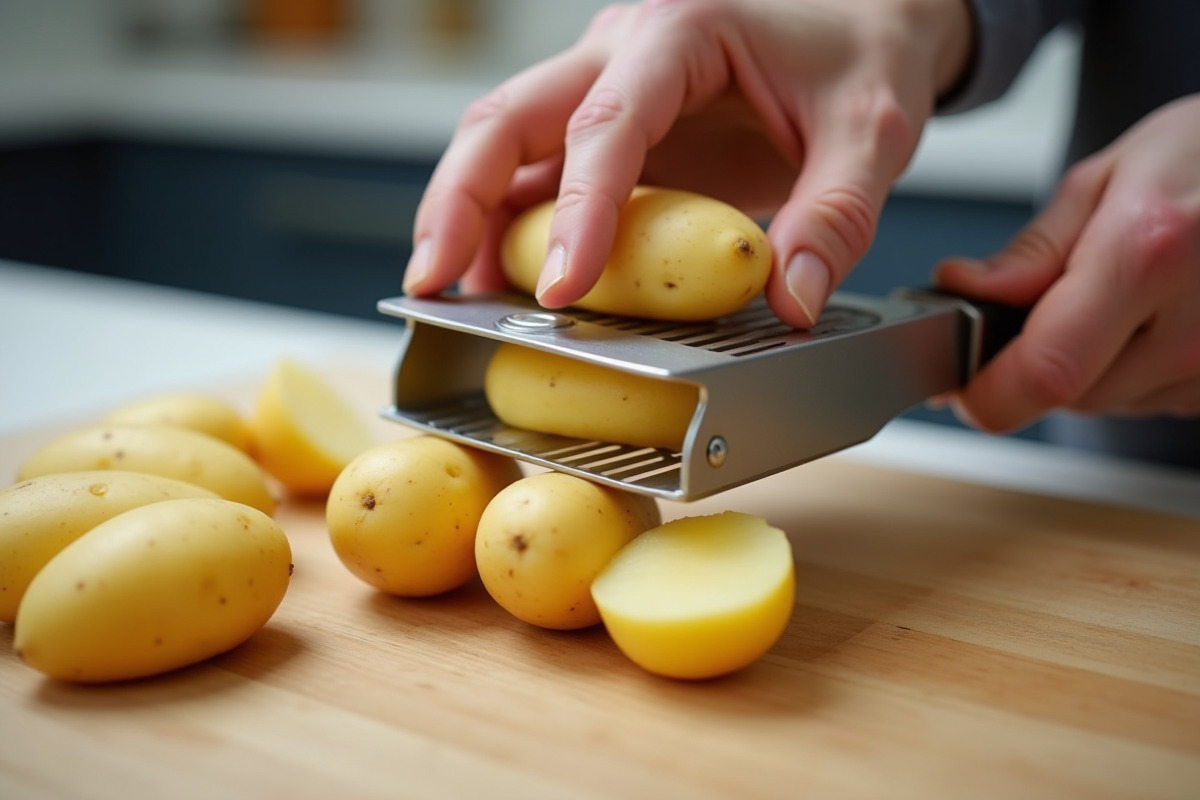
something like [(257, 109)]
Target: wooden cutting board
[(949, 640)]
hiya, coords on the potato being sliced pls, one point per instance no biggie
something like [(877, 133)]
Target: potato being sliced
[(699, 597), (551, 393), (303, 432)]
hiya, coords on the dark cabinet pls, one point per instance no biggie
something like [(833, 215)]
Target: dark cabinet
[(310, 231)]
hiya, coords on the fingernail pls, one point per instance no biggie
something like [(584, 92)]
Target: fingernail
[(939, 402), (976, 265), (807, 280), (964, 416), (419, 265), (553, 270)]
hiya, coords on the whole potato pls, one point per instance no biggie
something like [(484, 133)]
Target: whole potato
[(549, 393), (171, 452), (41, 516), (153, 589), (677, 256), (544, 539), (191, 410), (402, 516)]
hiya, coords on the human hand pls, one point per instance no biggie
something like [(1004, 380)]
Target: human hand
[(807, 110), (1111, 269)]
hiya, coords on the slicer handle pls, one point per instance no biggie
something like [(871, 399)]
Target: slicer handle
[(997, 324), (992, 325)]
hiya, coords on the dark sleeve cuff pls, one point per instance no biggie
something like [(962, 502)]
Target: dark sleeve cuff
[(1006, 33)]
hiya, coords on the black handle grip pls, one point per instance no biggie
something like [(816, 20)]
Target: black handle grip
[(993, 324), (998, 324)]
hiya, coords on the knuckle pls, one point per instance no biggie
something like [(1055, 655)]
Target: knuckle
[(1050, 376), (608, 17), (600, 109), (1033, 244), (882, 124), (894, 126), (1081, 177), (1160, 243), (488, 107), (849, 214), (681, 10)]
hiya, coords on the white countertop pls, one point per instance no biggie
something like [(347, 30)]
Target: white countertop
[(378, 102), (74, 345)]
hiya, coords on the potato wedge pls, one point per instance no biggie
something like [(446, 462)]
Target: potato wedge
[(303, 431)]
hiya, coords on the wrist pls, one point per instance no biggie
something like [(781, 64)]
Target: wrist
[(948, 27)]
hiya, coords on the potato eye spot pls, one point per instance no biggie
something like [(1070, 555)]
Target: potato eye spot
[(368, 501), (743, 247), (519, 543), (453, 470)]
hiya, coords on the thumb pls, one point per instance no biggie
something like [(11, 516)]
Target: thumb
[(1037, 256)]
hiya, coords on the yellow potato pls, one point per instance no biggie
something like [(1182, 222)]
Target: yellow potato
[(402, 516), (41, 516), (549, 393), (191, 410), (544, 539), (304, 433), (153, 589), (677, 256), (700, 596), (171, 452)]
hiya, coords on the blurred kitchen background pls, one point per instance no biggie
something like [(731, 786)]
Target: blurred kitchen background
[(276, 149)]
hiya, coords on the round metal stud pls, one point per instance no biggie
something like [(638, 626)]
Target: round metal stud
[(535, 322), (717, 451)]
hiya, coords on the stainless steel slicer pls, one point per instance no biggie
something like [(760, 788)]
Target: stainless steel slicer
[(770, 397)]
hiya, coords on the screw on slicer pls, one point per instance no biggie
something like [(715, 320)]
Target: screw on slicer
[(718, 450)]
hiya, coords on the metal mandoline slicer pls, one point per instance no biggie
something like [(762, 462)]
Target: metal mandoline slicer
[(770, 396)]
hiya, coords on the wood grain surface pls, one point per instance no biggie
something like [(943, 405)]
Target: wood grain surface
[(949, 640)]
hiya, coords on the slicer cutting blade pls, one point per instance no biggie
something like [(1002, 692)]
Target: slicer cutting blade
[(770, 396)]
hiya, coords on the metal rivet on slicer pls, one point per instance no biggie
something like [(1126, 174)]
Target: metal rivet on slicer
[(717, 450), (535, 322)]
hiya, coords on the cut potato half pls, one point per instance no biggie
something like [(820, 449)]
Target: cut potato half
[(699, 597), (303, 431)]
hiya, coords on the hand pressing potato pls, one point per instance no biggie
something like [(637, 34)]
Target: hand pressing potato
[(678, 256)]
